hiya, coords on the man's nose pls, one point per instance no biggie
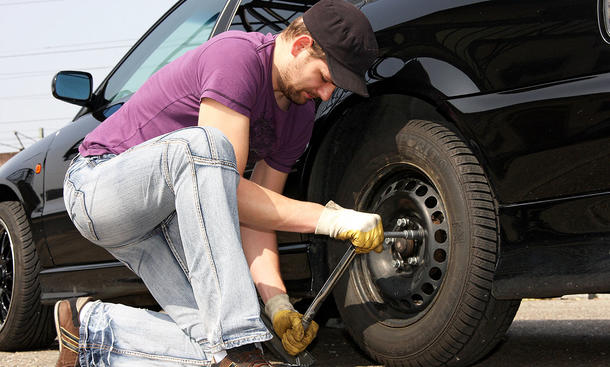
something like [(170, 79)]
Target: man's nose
[(326, 91)]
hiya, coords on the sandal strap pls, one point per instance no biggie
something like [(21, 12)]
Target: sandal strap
[(75, 320)]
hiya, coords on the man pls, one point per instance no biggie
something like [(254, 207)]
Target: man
[(162, 195)]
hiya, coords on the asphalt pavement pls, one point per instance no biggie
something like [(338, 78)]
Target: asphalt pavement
[(573, 332)]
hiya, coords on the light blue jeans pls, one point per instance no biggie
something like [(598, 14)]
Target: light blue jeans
[(167, 209)]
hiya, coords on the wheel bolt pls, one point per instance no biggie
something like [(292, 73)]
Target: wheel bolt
[(413, 260), (397, 264)]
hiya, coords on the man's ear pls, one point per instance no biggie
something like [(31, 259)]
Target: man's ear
[(300, 43)]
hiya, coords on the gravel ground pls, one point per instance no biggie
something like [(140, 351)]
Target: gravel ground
[(571, 332)]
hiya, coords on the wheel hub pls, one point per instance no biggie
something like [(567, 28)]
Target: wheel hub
[(408, 274)]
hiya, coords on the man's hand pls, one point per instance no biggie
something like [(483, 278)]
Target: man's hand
[(288, 324), (364, 230)]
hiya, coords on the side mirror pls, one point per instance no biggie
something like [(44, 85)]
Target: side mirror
[(73, 87)]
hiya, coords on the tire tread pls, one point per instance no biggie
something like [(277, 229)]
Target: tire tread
[(29, 324), (481, 321)]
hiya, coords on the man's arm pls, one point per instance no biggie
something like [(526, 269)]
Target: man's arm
[(262, 210), (260, 246), (259, 208)]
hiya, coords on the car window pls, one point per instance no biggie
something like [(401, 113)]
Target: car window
[(267, 16), (187, 27)]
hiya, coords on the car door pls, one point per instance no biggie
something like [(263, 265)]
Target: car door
[(185, 26)]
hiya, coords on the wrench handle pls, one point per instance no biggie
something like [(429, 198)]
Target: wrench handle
[(338, 272), (328, 286)]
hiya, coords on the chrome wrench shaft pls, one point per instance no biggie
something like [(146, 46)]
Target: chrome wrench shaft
[(340, 269)]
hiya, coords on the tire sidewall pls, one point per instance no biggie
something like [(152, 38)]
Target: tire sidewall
[(29, 323), (420, 150), (8, 218)]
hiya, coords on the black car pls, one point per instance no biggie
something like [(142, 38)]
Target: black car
[(487, 129)]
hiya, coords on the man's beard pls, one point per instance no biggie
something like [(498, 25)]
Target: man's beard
[(289, 91)]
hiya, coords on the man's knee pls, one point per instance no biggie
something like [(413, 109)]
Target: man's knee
[(206, 142)]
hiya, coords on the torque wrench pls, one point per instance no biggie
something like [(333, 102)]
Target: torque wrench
[(343, 264), (305, 359)]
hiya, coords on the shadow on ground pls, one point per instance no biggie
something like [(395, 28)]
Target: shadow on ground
[(542, 343)]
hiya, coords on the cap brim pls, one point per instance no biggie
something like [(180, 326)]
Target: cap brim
[(345, 78)]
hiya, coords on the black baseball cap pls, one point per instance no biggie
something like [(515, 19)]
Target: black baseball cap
[(347, 38)]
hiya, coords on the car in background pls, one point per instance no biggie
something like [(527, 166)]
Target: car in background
[(487, 130)]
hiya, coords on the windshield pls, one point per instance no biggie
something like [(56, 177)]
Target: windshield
[(185, 28)]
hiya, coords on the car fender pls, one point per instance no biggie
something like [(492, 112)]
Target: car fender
[(429, 81), (425, 77), (22, 178)]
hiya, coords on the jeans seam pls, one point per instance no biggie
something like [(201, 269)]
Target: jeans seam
[(80, 195), (165, 167), (84, 333), (202, 227), (214, 162), (67, 182), (211, 145), (116, 350), (172, 248), (241, 341)]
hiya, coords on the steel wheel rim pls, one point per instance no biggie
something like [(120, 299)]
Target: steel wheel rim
[(400, 298), (7, 275)]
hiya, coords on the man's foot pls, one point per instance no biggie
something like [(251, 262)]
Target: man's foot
[(67, 325), (244, 356)]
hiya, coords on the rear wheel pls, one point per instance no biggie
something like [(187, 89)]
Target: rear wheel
[(24, 322), (426, 302)]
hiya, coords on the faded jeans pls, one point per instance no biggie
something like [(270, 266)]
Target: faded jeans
[(167, 209)]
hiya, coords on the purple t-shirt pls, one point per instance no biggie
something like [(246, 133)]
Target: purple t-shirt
[(233, 68)]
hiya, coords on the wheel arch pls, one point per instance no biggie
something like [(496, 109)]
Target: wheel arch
[(341, 130), (10, 192), (401, 88), (7, 193)]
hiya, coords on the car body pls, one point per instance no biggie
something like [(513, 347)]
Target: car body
[(487, 127)]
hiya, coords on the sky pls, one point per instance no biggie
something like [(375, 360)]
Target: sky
[(38, 38)]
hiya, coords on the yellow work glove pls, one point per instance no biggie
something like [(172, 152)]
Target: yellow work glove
[(288, 325), (364, 230)]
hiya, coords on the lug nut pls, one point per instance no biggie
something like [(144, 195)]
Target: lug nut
[(397, 264), (413, 260)]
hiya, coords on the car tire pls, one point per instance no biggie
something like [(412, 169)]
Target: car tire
[(427, 302), (24, 322)]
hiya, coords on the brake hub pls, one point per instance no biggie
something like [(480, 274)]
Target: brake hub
[(408, 274)]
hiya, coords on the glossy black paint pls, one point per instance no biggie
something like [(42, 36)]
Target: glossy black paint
[(550, 176), (525, 82), (555, 247), (19, 182), (58, 227), (111, 281)]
